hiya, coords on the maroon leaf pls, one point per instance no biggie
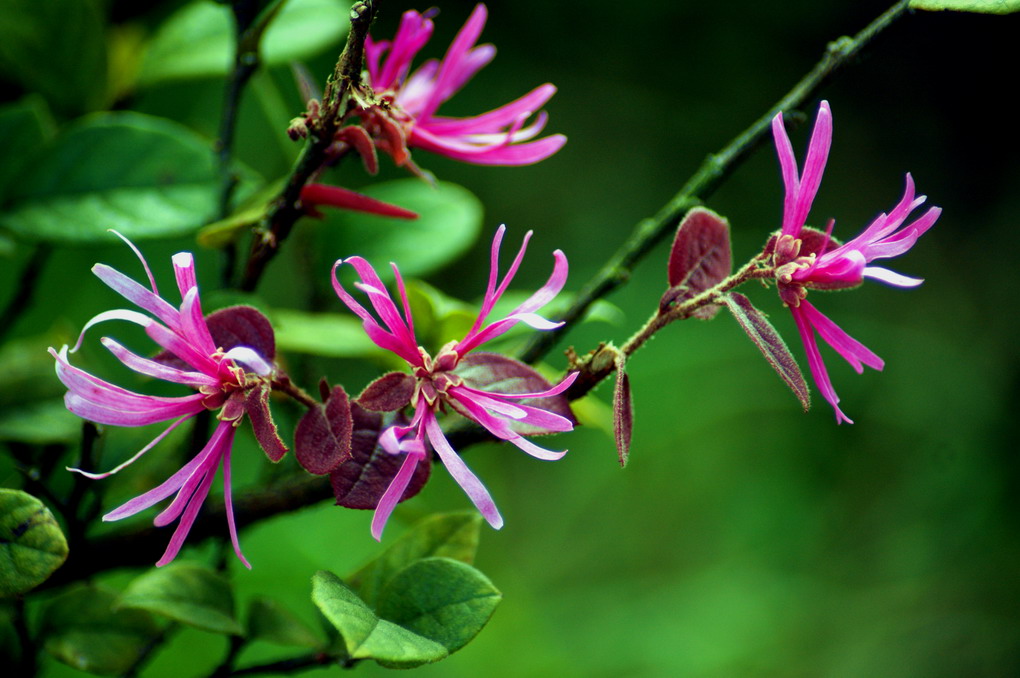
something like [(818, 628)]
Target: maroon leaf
[(700, 258), (361, 481), (771, 345), (496, 373), (256, 404), (242, 326), (623, 411), (388, 393), (322, 440), (813, 241)]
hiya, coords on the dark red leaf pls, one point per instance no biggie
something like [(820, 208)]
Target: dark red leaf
[(813, 241), (322, 440), (701, 258), (496, 373), (771, 345), (242, 326), (361, 480), (256, 404), (623, 412), (388, 393)]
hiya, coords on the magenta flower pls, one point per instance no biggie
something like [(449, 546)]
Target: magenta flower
[(809, 259), (458, 378), (232, 382), (408, 117)]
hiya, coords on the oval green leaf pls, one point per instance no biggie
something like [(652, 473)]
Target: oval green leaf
[(32, 546), (24, 127), (442, 599), (450, 535), (333, 335), (82, 629), (144, 176), (198, 40), (365, 635), (186, 593), (450, 218)]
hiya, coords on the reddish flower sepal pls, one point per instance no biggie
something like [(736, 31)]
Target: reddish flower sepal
[(314, 196)]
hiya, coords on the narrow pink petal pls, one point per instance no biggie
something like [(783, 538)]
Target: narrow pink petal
[(391, 497), (136, 294), (151, 368), (452, 63), (467, 480), (815, 363), (112, 416), (206, 469), (413, 33), (853, 351), (184, 272), (814, 164), (401, 340), (135, 457), (159, 493), (891, 277), (534, 450), (555, 390), (187, 520), (193, 325), (145, 264), (251, 359), (514, 155), (182, 348), (116, 314), (374, 50), (496, 119), (473, 61), (492, 294), (474, 406), (229, 504), (791, 181)]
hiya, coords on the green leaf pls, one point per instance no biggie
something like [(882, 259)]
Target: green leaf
[(56, 48), (332, 335), (775, 351), (442, 599), (982, 6), (144, 176), (83, 629), (198, 40), (268, 620), (40, 423), (32, 546), (248, 214), (188, 593), (365, 635), (450, 535), (450, 218), (24, 127)]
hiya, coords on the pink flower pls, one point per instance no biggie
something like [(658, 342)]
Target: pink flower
[(456, 379), (408, 117), (232, 382), (809, 259)]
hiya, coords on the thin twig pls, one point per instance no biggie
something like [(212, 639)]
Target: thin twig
[(649, 232)]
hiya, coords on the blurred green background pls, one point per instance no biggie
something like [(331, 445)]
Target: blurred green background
[(744, 538)]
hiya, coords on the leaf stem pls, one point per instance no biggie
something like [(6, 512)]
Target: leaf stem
[(715, 168)]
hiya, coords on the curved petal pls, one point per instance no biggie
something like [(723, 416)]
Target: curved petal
[(135, 457), (137, 294), (151, 368), (391, 497), (815, 362)]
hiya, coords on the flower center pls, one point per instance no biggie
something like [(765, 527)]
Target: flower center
[(435, 376)]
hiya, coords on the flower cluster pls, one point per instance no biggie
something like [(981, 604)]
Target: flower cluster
[(457, 378), (403, 112), (809, 259), (231, 381)]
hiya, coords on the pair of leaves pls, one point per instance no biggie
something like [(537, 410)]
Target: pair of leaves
[(32, 546), (419, 601), (700, 259), (144, 176)]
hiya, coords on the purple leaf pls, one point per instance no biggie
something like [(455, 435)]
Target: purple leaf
[(388, 393), (322, 440), (623, 411), (496, 373), (771, 345), (242, 326), (361, 481), (700, 258), (256, 404)]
